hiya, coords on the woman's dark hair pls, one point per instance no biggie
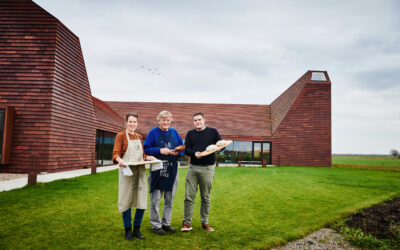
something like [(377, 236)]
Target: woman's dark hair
[(131, 114)]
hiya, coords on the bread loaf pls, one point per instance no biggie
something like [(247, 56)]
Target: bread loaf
[(221, 143), (211, 147)]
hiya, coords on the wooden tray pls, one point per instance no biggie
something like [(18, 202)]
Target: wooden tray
[(179, 149), (143, 162), (205, 153)]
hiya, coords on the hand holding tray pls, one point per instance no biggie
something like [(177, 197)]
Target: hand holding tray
[(179, 149)]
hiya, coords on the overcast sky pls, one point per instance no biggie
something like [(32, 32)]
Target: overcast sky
[(247, 52)]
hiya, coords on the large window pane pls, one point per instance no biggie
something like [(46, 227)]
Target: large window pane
[(104, 147), (109, 139), (257, 151), (244, 150), (267, 152), (227, 156)]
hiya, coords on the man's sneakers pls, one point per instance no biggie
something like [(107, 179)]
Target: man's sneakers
[(186, 227), (163, 230), (158, 231), (207, 227)]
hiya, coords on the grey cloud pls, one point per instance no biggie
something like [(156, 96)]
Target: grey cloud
[(379, 79)]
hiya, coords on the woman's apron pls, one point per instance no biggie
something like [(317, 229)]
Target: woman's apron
[(164, 178), (132, 189)]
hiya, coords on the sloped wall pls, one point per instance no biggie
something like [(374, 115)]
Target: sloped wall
[(42, 75), (281, 105), (303, 137), (73, 120), (27, 50)]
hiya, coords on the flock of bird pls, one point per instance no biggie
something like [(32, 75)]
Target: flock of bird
[(153, 71)]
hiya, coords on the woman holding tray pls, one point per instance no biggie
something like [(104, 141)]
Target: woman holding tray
[(128, 147)]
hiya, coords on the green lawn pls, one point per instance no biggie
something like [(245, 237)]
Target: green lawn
[(251, 208), (366, 162)]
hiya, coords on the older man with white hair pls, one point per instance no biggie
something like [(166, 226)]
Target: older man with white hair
[(160, 143)]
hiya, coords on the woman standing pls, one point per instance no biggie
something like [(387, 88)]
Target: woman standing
[(128, 147)]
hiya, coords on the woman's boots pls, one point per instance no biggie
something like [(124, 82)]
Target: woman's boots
[(128, 233), (136, 233)]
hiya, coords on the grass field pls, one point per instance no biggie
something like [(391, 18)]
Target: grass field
[(388, 163), (250, 208)]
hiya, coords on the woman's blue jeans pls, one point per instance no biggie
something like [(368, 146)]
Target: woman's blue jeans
[(127, 218)]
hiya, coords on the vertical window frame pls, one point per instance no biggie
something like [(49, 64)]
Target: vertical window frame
[(7, 134)]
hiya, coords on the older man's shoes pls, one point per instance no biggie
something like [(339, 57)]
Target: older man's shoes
[(168, 229), (158, 231)]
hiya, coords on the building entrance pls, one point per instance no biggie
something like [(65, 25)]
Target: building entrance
[(262, 150)]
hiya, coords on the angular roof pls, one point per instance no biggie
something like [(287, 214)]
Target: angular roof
[(233, 121), (281, 105), (107, 118)]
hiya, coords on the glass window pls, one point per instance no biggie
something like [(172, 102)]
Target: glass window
[(257, 151), (318, 76), (267, 152), (244, 150), (228, 155), (2, 118), (104, 147)]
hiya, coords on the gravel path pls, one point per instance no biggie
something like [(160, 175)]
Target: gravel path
[(322, 239)]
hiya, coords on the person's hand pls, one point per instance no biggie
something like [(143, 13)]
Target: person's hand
[(173, 153), (150, 158), (165, 151), (122, 163), (197, 154)]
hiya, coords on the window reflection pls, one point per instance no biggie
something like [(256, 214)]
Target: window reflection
[(245, 151), (104, 147), (267, 152), (228, 155), (257, 151)]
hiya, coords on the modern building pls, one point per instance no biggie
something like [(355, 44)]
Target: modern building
[(49, 121)]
